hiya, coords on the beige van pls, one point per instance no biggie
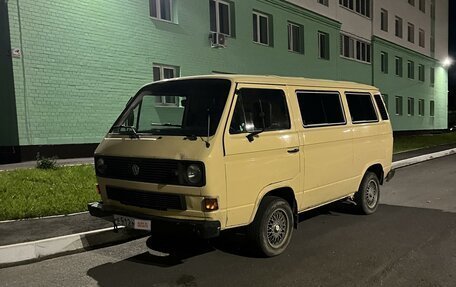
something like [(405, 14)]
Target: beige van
[(211, 153)]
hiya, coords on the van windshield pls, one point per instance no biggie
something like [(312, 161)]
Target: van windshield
[(176, 107)]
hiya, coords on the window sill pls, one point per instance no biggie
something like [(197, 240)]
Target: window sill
[(355, 60), (357, 13), (163, 20), (264, 45), (297, 53)]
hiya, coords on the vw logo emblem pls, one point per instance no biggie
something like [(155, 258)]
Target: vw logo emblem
[(135, 169)]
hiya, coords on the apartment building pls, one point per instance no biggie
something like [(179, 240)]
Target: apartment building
[(70, 67)]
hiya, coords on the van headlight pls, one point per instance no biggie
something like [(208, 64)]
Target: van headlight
[(194, 174), (100, 166)]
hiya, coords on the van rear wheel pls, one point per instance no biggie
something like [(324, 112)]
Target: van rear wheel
[(368, 195), (272, 227)]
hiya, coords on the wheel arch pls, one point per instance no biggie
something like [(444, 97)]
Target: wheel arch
[(286, 193), (377, 169)]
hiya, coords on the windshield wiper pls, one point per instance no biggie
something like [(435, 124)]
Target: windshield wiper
[(165, 125), (133, 133), (253, 134), (190, 137)]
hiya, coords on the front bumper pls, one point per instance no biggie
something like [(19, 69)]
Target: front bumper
[(202, 228)]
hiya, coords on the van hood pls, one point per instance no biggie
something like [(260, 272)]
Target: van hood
[(163, 147)]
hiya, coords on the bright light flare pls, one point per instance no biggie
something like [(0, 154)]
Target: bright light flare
[(447, 62)]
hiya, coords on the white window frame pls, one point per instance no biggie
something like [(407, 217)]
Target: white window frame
[(411, 70), (353, 51), (421, 38), (410, 106), (217, 16), (410, 36), (356, 7), (291, 40), (398, 66), (398, 27), (421, 73), (258, 28), (159, 16), (384, 62), (421, 107), (162, 102), (384, 20), (399, 109), (319, 34)]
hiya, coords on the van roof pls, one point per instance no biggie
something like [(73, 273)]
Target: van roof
[(290, 81)]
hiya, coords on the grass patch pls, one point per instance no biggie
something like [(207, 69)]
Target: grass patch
[(407, 143), (26, 193)]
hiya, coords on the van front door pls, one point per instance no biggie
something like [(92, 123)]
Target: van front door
[(261, 148)]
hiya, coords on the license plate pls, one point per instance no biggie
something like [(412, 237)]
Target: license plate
[(131, 222)]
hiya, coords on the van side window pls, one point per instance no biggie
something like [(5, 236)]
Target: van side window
[(381, 107), (260, 109), (361, 107), (320, 108)]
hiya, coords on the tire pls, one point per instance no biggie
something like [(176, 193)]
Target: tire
[(368, 195), (272, 227)]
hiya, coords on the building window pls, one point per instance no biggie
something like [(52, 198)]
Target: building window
[(384, 20), (162, 72), (432, 76), (432, 43), (411, 70), (161, 9), (362, 7), (411, 33), (323, 45), (421, 107), (432, 9), (410, 106), (421, 37), (431, 108), (421, 73), (324, 2), (220, 17), (384, 62), (398, 64), (422, 6), (411, 2), (295, 38), (261, 33), (385, 99), (398, 106), (398, 27), (355, 49)]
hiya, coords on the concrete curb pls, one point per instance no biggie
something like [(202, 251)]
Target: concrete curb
[(422, 158), (22, 252)]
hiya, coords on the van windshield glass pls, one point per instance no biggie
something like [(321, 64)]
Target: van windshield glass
[(179, 107)]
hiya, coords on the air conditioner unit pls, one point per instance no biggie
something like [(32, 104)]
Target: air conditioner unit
[(217, 40)]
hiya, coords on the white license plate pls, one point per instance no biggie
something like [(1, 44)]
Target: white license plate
[(131, 222)]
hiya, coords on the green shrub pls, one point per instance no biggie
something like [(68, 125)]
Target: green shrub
[(46, 162)]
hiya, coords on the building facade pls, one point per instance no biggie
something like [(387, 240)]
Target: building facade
[(69, 67)]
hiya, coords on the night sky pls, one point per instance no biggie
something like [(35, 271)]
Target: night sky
[(452, 52)]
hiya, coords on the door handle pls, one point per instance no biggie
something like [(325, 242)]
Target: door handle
[(295, 150)]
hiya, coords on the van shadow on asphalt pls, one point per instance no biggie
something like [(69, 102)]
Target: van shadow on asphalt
[(332, 246), (174, 249)]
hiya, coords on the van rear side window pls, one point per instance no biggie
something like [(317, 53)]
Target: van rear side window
[(381, 107), (260, 110), (361, 108), (320, 108)]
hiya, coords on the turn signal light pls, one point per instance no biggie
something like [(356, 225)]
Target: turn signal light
[(210, 204)]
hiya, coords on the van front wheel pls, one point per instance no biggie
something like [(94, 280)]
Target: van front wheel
[(272, 227), (368, 195)]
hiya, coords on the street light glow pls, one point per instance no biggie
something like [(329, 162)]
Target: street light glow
[(447, 62)]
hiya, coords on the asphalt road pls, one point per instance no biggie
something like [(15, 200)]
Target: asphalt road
[(410, 241)]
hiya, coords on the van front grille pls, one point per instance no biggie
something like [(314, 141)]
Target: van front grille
[(144, 170), (152, 200)]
